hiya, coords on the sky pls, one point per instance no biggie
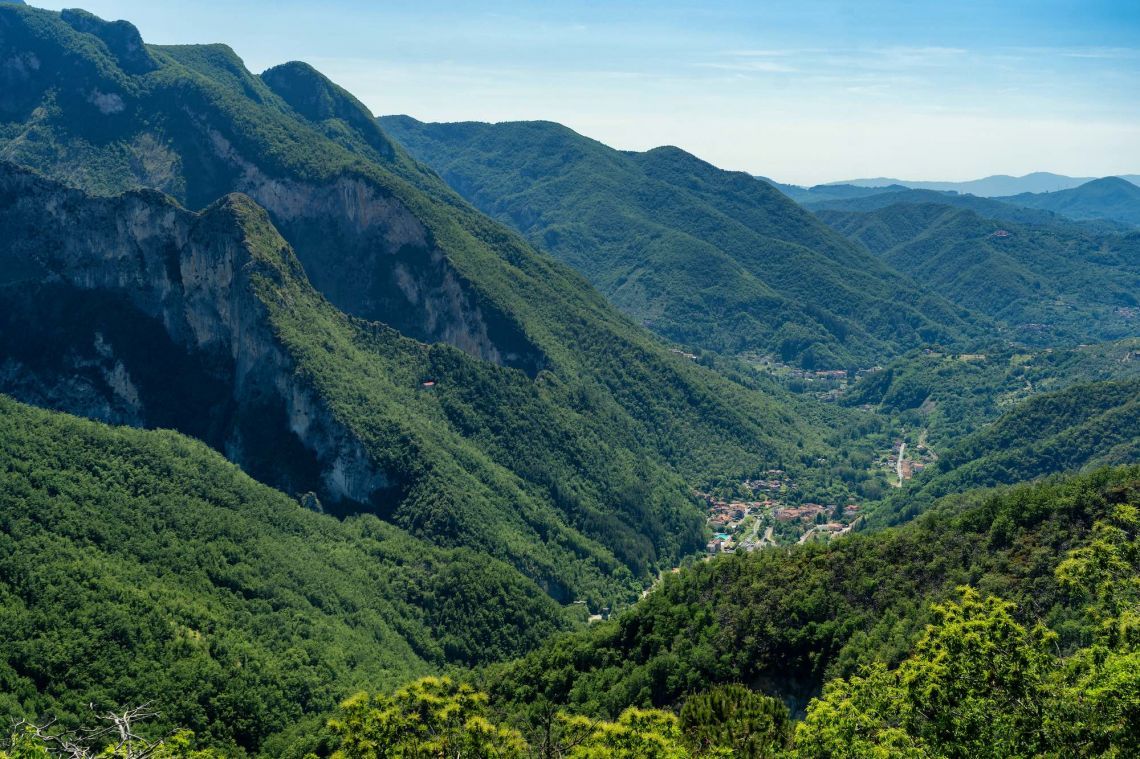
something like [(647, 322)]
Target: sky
[(803, 91)]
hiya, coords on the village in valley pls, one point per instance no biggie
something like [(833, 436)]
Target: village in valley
[(771, 517)]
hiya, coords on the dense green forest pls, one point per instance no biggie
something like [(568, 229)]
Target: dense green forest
[(1046, 284), (557, 435), (1082, 426), (708, 258), (140, 566), (950, 395), (987, 208), (305, 457), (172, 567)]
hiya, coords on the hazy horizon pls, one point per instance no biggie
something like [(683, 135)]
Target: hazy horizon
[(819, 92)]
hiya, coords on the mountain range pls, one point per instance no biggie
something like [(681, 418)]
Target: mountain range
[(707, 258), (1049, 284), (538, 447), (1111, 198), (986, 187), (501, 405)]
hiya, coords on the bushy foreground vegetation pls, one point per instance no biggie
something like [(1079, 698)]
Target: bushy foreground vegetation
[(141, 567), (985, 678)]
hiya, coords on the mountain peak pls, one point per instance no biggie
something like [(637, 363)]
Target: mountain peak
[(315, 97), (121, 38)]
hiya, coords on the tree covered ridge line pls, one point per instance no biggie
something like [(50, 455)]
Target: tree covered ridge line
[(593, 464), (708, 258)]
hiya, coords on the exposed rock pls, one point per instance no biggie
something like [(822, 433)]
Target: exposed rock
[(188, 275)]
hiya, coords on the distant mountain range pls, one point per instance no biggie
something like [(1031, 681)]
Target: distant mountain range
[(987, 187), (1046, 282), (1111, 198), (706, 257)]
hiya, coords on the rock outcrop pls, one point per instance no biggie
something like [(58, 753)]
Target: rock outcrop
[(163, 305)]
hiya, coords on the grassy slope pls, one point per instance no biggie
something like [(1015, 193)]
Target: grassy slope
[(1064, 280), (141, 566), (705, 257)]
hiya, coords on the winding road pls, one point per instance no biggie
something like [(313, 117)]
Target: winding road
[(899, 465)]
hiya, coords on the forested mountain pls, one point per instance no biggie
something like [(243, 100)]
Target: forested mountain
[(140, 566), (1110, 198), (557, 436), (788, 621), (987, 208), (705, 257), (951, 396), (287, 422), (822, 192), (1080, 427), (1047, 283)]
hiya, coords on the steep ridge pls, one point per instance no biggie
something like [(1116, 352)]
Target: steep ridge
[(165, 283), (705, 257), (559, 436), (1049, 284), (1108, 198), (141, 567), (134, 310)]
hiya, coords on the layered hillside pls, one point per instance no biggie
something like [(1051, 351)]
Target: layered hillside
[(988, 208), (1048, 284), (786, 621), (142, 567), (1078, 428), (1110, 198), (439, 372), (704, 257)]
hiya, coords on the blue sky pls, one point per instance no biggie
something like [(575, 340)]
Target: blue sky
[(806, 91)]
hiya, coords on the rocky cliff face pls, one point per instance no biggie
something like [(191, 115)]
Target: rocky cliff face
[(160, 326), (371, 257)]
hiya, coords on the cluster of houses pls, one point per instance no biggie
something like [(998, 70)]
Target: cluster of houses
[(737, 524), (809, 512)]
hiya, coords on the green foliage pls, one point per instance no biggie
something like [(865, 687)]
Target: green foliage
[(737, 720), (225, 604), (1080, 427), (974, 686), (705, 257), (979, 684), (1049, 283), (431, 717), (794, 618), (436, 717), (636, 734)]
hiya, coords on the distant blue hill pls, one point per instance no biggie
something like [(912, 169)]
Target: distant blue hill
[(987, 187), (1111, 198)]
